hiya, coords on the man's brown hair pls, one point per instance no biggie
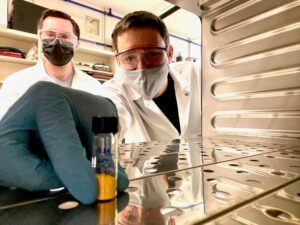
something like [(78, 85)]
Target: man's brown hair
[(140, 19), (58, 14)]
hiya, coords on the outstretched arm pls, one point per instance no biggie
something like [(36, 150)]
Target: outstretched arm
[(47, 108)]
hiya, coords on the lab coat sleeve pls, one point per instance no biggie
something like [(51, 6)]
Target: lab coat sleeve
[(64, 145), (16, 84), (56, 126), (85, 82), (8, 97), (113, 92), (45, 109), (57, 114)]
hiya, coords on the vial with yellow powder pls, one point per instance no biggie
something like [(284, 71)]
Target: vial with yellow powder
[(105, 157)]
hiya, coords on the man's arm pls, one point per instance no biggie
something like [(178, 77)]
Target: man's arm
[(8, 96), (113, 92), (49, 109)]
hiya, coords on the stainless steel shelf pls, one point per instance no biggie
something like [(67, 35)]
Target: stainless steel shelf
[(188, 181)]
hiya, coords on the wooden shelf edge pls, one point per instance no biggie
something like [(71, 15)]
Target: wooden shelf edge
[(16, 34), (94, 50), (17, 60), (91, 70)]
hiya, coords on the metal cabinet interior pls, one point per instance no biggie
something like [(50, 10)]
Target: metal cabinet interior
[(250, 66)]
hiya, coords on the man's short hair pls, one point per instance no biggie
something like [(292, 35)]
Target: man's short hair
[(140, 19), (58, 14)]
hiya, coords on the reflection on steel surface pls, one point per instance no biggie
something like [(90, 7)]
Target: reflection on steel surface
[(241, 86), (183, 182), (255, 122), (250, 52), (156, 157), (256, 56), (231, 20), (275, 209), (217, 176), (206, 5)]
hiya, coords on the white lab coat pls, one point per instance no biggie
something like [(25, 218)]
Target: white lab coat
[(15, 85), (142, 120)]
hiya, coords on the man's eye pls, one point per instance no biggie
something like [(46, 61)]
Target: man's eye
[(65, 36), (153, 54), (129, 58), (51, 35)]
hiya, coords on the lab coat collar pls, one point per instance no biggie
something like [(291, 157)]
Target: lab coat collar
[(179, 80), (76, 70), (77, 77), (41, 67)]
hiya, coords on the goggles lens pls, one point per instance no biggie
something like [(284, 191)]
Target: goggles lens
[(152, 56), (66, 39)]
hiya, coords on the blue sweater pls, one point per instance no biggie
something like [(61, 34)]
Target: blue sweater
[(46, 141)]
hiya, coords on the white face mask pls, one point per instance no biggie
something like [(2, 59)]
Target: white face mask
[(147, 82)]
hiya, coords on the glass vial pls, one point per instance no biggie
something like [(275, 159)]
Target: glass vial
[(105, 156)]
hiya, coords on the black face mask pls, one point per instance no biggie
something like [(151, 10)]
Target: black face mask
[(57, 54)]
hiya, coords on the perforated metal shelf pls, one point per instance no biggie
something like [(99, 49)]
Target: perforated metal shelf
[(182, 182), (204, 179)]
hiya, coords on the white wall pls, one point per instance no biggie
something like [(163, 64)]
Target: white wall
[(106, 25), (3, 13), (186, 48)]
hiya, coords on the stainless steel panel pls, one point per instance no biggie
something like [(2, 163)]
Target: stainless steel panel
[(250, 66)]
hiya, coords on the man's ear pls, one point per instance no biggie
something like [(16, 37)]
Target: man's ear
[(170, 53), (75, 48)]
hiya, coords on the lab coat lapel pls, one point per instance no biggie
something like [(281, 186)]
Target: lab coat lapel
[(77, 80), (154, 120), (151, 121), (182, 93)]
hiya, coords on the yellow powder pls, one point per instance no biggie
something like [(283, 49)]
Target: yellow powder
[(107, 187)]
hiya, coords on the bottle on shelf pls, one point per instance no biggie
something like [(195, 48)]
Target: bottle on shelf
[(105, 156)]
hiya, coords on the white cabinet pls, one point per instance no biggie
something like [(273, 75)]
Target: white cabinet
[(85, 55), (17, 39)]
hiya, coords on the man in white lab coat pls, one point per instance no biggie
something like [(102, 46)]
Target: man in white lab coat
[(154, 101), (59, 36)]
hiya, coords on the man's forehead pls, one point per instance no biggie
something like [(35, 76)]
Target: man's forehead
[(57, 24), (142, 37)]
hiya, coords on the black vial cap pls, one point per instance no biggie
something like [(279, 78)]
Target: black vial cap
[(104, 125)]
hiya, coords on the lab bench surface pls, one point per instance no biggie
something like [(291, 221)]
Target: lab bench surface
[(187, 181)]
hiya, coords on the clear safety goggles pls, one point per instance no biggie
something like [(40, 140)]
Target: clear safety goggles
[(66, 39), (152, 56)]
